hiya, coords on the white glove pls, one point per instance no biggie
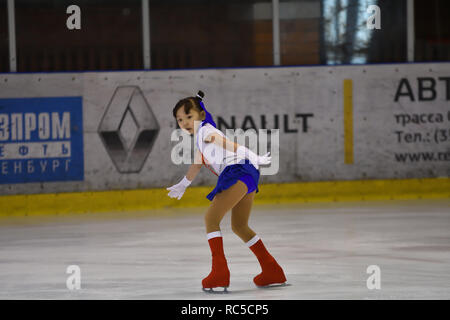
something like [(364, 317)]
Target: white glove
[(253, 157), (177, 190)]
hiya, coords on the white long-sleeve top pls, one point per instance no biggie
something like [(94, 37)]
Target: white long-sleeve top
[(214, 155)]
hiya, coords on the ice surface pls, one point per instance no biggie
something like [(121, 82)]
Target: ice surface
[(324, 248)]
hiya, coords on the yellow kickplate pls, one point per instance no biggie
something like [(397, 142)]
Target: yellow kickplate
[(149, 199)]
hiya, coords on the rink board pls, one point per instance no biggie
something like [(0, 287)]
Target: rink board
[(149, 200), (336, 124)]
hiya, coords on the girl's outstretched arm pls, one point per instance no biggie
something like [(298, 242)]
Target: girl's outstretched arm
[(222, 142), (194, 169), (238, 149), (177, 190)]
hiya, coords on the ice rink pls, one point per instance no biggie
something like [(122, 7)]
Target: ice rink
[(324, 248)]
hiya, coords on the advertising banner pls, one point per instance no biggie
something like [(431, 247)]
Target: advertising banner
[(41, 139)]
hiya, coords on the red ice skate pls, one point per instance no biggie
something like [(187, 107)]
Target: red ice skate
[(272, 274), (219, 275)]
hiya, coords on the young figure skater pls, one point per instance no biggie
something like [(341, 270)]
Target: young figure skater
[(237, 183)]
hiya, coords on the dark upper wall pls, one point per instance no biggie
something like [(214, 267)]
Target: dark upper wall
[(197, 34)]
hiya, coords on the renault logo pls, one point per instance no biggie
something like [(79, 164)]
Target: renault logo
[(128, 129)]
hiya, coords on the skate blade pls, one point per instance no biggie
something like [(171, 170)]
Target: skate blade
[(275, 285), (211, 290)]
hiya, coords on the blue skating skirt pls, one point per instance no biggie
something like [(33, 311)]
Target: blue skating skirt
[(243, 171)]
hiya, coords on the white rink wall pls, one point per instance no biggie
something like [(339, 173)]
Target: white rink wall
[(120, 124)]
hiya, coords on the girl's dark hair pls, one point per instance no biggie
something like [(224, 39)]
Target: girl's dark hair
[(189, 103)]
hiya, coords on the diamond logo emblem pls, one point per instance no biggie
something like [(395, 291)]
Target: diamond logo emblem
[(128, 129)]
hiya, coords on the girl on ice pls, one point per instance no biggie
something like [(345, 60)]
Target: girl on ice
[(238, 177)]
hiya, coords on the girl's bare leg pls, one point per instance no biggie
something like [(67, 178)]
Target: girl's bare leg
[(222, 203), (240, 216), (271, 273)]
